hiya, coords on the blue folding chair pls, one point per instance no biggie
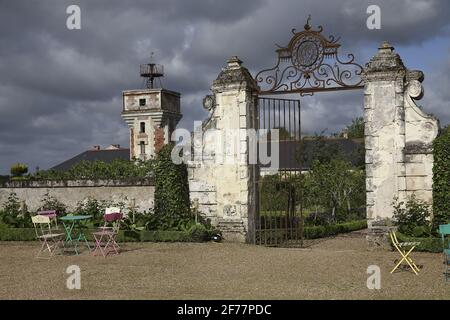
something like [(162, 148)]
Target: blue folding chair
[(444, 230)]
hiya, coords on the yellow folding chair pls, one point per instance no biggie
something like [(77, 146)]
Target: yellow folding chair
[(405, 249)]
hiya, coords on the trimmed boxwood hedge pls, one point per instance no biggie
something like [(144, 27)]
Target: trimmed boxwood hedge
[(429, 244), (17, 234), (315, 232), (27, 234)]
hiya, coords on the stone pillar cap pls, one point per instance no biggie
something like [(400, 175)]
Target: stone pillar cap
[(234, 62), (233, 76), (386, 47), (384, 61)]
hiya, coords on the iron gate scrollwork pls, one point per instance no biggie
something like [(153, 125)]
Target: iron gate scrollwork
[(310, 63)]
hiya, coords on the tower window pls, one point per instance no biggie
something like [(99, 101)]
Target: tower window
[(142, 127), (141, 102), (142, 145)]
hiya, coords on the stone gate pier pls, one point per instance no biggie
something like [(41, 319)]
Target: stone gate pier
[(398, 138), (220, 176)]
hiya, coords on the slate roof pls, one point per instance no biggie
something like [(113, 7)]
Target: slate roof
[(93, 155), (289, 152)]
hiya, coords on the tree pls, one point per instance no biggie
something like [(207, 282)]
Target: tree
[(356, 129), (322, 150), (19, 169), (338, 187)]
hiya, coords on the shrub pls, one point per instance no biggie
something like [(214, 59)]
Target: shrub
[(198, 232), (441, 178), (51, 203), (96, 208), (138, 221), (172, 205), (412, 217), (19, 169), (14, 213), (356, 129)]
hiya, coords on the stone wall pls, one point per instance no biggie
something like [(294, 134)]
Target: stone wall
[(70, 192)]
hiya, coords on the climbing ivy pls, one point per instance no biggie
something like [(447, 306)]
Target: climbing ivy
[(441, 178), (172, 206)]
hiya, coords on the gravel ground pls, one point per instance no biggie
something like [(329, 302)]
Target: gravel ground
[(334, 268)]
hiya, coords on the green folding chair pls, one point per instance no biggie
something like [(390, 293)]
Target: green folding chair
[(444, 230)]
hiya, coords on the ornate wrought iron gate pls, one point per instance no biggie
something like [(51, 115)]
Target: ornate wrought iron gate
[(310, 63), (278, 219)]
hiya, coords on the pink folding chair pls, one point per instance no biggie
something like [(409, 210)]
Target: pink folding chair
[(105, 238), (44, 233), (52, 214)]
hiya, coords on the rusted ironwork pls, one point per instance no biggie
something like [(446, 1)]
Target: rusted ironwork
[(279, 214), (310, 63), (150, 72)]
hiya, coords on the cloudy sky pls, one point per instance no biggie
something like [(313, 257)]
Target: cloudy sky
[(60, 89)]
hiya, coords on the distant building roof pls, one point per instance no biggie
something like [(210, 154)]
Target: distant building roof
[(289, 151), (109, 154)]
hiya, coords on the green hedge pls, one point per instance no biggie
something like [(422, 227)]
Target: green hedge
[(315, 232), (26, 234), (17, 234), (429, 244)]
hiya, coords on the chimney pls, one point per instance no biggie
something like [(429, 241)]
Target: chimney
[(113, 147)]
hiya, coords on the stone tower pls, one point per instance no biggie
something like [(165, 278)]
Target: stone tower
[(151, 114)]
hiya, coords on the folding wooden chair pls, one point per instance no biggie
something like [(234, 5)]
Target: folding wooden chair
[(105, 237), (50, 241), (444, 230), (405, 249)]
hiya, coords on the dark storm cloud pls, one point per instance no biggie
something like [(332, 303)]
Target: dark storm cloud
[(60, 90)]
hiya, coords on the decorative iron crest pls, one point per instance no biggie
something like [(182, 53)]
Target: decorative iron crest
[(310, 63)]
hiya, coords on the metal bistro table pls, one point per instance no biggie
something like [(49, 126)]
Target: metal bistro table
[(75, 234)]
